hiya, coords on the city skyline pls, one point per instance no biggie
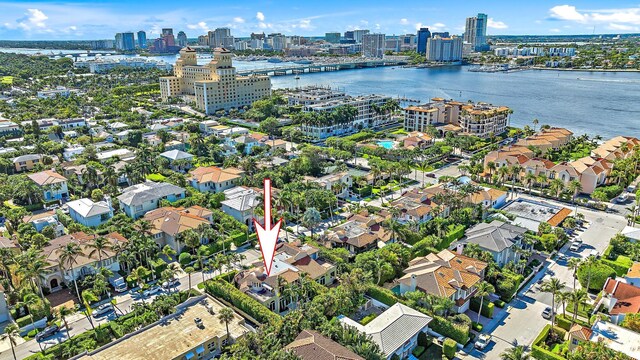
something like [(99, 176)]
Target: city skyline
[(98, 20)]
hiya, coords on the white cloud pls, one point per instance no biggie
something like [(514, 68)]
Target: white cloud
[(614, 26), (377, 26), (491, 23), (260, 16), (238, 20), (199, 26), (305, 24), (33, 20), (404, 21), (435, 27), (554, 30), (622, 18)]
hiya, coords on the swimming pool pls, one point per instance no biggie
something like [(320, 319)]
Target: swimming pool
[(387, 144)]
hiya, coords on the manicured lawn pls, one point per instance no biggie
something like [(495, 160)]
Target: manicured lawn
[(155, 177), (6, 80)]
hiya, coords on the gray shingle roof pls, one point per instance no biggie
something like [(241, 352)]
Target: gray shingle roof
[(147, 191), (495, 236)]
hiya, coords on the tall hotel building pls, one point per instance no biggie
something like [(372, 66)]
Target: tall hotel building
[(214, 86)]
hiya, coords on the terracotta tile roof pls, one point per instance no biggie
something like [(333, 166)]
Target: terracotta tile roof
[(634, 271), (627, 296), (47, 177), (580, 332), (173, 221), (311, 345), (215, 174), (52, 254), (559, 217)]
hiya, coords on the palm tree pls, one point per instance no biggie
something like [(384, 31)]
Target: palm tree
[(226, 316), (68, 255), (483, 289), (311, 218), (12, 333), (517, 352), (573, 264), (575, 187), (553, 286), (30, 300), (170, 272), (189, 270), (577, 297), (589, 262), (99, 246), (140, 273), (63, 312), (563, 297)]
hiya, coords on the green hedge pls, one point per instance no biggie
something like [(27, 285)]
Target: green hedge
[(454, 233), (447, 328), (540, 353), (242, 301), (367, 319), (383, 295), (600, 272), (499, 303), (24, 321), (621, 265), (449, 348), (418, 351), (487, 307), (158, 266), (564, 322)]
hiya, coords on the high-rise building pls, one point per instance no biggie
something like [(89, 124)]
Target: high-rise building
[(475, 32), (349, 35), (182, 39), (217, 36), (442, 34), (167, 31), (444, 49), (142, 39), (213, 86), (168, 39), (359, 34), (125, 41), (228, 42), (423, 35), (203, 40), (277, 41), (258, 36), (332, 37), (373, 45)]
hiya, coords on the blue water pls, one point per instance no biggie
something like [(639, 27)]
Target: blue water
[(387, 144), (594, 103)]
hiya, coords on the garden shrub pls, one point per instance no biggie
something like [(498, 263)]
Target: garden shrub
[(383, 295), (487, 307), (445, 327), (621, 265), (418, 351), (499, 303), (600, 272), (242, 301), (184, 259), (449, 348)]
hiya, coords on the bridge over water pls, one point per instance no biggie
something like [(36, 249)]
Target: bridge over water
[(314, 68)]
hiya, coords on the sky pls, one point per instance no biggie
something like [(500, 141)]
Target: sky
[(88, 20)]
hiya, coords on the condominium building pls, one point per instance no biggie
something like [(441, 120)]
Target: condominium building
[(182, 39), (373, 45), (423, 36), (125, 41), (475, 32), (444, 49), (332, 37), (214, 86), (217, 36), (479, 119), (142, 39), (358, 35)]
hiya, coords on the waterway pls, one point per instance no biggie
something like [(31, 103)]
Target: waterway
[(595, 103)]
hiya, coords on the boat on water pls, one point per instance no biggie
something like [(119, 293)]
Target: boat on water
[(303, 62), (274, 60)]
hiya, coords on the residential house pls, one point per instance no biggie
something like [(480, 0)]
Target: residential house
[(175, 145), (445, 274), (52, 185), (289, 262), (240, 202), (489, 198), (418, 206), (214, 179), (631, 233), (338, 183), (193, 332), (503, 240), (85, 263), (311, 345), (44, 219), (28, 162), (395, 331), (70, 152), (620, 299), (178, 160), (9, 128), (417, 140), (244, 143), (614, 337), (169, 222), (138, 199), (121, 154), (89, 213), (361, 232), (632, 276)]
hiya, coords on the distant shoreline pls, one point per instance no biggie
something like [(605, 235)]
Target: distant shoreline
[(585, 70)]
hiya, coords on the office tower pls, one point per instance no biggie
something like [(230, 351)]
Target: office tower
[(167, 31), (228, 42), (182, 39), (255, 36), (142, 39), (475, 32), (348, 35), (423, 35), (444, 49), (373, 45), (443, 34), (203, 40), (358, 34), (332, 37), (168, 38), (213, 86), (217, 36), (125, 41)]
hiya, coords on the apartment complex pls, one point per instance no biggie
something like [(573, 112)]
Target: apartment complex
[(475, 32), (444, 49), (479, 119), (373, 45), (214, 86)]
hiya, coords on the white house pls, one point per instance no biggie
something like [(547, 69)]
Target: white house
[(89, 213), (138, 199)]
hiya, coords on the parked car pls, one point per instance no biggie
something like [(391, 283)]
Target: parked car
[(170, 283), (622, 197), (482, 342), (546, 313), (631, 189), (562, 257), (151, 291), (594, 253), (47, 332), (575, 246), (102, 309)]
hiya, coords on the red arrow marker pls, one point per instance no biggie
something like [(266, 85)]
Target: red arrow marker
[(267, 235)]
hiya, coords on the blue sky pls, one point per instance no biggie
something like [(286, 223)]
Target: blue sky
[(75, 19)]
